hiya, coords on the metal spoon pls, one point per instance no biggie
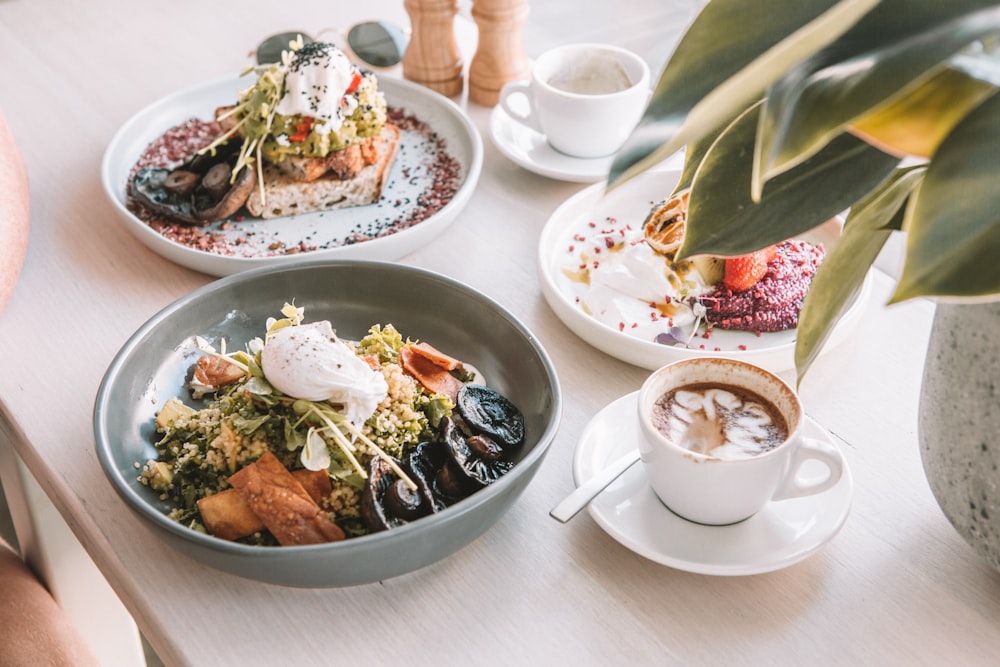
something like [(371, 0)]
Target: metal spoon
[(576, 501)]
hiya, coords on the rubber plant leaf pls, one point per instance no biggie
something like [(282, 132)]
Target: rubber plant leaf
[(724, 221), (916, 123), (953, 228), (710, 78), (893, 50), (696, 151), (842, 274)]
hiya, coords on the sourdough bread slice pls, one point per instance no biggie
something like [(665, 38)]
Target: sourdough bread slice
[(284, 195)]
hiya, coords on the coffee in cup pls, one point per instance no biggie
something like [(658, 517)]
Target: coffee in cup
[(584, 98), (719, 420), (722, 438)]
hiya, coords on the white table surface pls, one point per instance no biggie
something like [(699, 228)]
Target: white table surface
[(896, 586)]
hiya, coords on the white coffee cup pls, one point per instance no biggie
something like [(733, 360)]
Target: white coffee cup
[(715, 488), (584, 98)]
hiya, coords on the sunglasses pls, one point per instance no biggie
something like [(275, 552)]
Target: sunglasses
[(375, 43)]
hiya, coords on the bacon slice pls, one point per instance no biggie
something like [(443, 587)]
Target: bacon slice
[(283, 504), (434, 378), (436, 356)]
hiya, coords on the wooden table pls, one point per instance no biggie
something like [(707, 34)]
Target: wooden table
[(897, 585)]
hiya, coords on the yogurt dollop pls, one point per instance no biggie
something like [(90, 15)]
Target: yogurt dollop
[(630, 287), (308, 361), (318, 76)]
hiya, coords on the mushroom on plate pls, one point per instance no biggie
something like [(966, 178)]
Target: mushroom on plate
[(200, 191)]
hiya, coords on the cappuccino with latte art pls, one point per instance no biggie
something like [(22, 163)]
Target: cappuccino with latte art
[(718, 420), (722, 438)]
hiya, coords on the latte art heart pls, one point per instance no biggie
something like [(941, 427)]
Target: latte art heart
[(719, 421)]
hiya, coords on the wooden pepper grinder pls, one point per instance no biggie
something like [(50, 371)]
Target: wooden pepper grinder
[(432, 57), (500, 54)]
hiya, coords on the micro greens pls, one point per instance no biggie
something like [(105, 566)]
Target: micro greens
[(334, 426), (256, 109)]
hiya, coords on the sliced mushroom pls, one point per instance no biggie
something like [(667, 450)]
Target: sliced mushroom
[(200, 191), (405, 503), (232, 200), (181, 182), (148, 187), (387, 501), (468, 470), (423, 464), (216, 180)]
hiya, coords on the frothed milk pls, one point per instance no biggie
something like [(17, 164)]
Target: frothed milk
[(718, 420), (592, 74)]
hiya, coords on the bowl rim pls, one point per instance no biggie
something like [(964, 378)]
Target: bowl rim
[(452, 513)]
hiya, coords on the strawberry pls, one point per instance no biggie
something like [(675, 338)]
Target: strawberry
[(745, 271)]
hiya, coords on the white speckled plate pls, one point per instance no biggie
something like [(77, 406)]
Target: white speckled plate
[(323, 233), (780, 535), (632, 202)]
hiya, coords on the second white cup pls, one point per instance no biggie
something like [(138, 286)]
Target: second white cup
[(722, 438), (584, 98)]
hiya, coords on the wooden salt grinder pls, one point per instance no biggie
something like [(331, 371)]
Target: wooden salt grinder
[(432, 58), (500, 54)]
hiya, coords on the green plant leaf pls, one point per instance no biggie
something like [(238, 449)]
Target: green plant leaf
[(728, 56), (723, 220), (891, 50), (843, 271), (953, 228), (695, 153), (916, 123)]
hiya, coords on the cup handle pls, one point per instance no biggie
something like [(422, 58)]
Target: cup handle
[(811, 449), (521, 88)]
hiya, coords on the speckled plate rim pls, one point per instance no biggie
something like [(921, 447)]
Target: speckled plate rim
[(774, 351), (127, 144)]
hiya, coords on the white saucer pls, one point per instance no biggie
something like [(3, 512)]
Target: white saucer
[(781, 534), (528, 148)]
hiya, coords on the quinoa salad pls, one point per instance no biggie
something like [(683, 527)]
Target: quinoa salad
[(289, 395)]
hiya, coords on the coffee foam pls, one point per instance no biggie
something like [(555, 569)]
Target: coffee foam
[(596, 74), (717, 422)]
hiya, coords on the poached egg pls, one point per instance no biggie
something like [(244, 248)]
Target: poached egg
[(308, 361), (318, 76)]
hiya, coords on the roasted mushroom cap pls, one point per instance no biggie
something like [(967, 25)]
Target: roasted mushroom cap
[(200, 191), (149, 188), (489, 412), (468, 468), (423, 463), (387, 501)]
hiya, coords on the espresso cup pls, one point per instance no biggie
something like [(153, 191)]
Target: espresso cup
[(722, 438), (584, 98)]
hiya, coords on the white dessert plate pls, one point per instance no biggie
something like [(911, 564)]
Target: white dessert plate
[(251, 243), (780, 535), (529, 149), (631, 202)]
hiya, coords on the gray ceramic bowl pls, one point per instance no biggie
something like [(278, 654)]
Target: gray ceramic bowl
[(353, 295)]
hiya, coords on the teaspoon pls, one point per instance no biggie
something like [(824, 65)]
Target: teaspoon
[(576, 501)]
